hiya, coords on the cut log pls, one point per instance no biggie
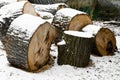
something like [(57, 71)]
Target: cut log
[(27, 43), (29, 9), (105, 42), (21, 0), (70, 19), (51, 8), (77, 50)]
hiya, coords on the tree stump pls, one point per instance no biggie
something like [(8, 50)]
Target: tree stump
[(77, 50), (27, 43), (69, 19)]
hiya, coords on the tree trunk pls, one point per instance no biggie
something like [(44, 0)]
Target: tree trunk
[(77, 50), (28, 44), (105, 42), (69, 19)]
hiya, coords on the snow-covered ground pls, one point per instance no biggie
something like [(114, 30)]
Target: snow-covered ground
[(103, 68)]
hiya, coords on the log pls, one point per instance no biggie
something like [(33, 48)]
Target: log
[(51, 8), (105, 42), (8, 14), (70, 19), (27, 43), (77, 50)]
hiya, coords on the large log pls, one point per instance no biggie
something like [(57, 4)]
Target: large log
[(104, 40), (27, 43), (70, 19), (77, 50)]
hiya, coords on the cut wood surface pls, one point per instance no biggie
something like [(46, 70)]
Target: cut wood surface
[(27, 43), (77, 50), (105, 42), (29, 9)]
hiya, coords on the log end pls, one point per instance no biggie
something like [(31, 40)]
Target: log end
[(79, 21), (105, 42), (39, 47)]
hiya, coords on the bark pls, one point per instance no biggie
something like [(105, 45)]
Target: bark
[(77, 50), (64, 21), (29, 49)]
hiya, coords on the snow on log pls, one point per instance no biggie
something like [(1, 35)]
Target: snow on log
[(27, 43), (51, 8), (77, 50), (29, 9), (105, 42), (70, 19)]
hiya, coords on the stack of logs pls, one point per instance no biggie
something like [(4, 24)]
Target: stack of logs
[(28, 39)]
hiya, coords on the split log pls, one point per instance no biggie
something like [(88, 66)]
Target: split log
[(70, 19), (77, 50), (27, 43), (104, 40), (51, 8)]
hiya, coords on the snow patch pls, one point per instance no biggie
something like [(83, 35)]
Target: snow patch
[(69, 12), (79, 34)]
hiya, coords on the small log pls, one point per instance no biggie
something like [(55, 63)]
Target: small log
[(27, 43), (70, 19), (105, 42), (51, 8), (77, 50)]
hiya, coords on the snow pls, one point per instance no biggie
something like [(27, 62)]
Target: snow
[(79, 34), (47, 7), (11, 9), (33, 23), (91, 28), (69, 12), (103, 68), (8, 1)]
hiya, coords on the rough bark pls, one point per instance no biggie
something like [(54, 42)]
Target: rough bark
[(105, 42), (77, 50), (28, 49)]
